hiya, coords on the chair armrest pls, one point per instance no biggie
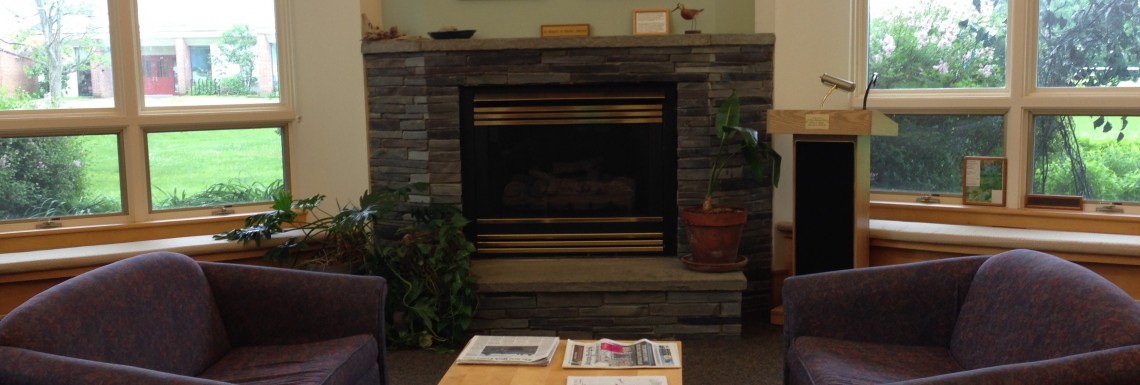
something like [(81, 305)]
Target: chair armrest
[(909, 304), (1118, 366), (275, 306), (26, 367)]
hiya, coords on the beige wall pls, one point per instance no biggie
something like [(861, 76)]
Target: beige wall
[(523, 18), (812, 37), (329, 153)]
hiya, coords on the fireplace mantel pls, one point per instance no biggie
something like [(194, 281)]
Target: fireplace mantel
[(695, 40)]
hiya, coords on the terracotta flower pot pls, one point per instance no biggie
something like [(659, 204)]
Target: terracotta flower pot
[(714, 238)]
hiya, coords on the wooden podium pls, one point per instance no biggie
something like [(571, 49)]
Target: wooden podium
[(831, 184)]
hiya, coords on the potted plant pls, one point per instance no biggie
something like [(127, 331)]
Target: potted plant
[(714, 231)]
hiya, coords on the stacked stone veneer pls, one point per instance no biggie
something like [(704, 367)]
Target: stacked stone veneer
[(413, 100), (606, 298)]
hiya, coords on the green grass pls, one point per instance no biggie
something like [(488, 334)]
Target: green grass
[(186, 163)]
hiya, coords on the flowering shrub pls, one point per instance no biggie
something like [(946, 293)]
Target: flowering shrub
[(932, 44)]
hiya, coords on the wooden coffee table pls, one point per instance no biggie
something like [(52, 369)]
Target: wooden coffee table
[(552, 374)]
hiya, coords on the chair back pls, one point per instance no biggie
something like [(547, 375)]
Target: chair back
[(154, 311), (1027, 306)]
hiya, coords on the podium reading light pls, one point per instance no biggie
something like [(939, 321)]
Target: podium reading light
[(835, 83)]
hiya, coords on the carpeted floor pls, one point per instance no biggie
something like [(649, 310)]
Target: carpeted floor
[(755, 359)]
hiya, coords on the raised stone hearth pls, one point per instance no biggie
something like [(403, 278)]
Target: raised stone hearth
[(414, 120)]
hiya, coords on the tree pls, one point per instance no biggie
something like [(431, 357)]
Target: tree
[(237, 48), (46, 40), (1082, 43)]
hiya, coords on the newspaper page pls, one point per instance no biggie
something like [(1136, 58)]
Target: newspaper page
[(616, 380), (508, 350), (610, 354)]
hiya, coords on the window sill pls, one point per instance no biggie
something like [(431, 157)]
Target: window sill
[(1036, 219), (63, 260), (1007, 238)]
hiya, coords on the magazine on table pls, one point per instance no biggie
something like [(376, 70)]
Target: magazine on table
[(616, 380), (610, 354), (508, 350)]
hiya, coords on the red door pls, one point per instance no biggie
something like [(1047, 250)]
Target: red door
[(158, 75)]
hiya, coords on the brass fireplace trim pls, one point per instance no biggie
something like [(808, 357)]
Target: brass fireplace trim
[(514, 221), (516, 96), (570, 243), (523, 237), (568, 108)]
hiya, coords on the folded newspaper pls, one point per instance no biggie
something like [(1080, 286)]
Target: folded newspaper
[(508, 350), (617, 380), (610, 354)]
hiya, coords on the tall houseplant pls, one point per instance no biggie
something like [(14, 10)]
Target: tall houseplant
[(431, 297), (714, 231), (337, 241)]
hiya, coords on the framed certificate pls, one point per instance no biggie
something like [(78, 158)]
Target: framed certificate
[(651, 21), (983, 180)]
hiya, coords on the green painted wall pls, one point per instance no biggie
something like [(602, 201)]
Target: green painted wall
[(523, 18)]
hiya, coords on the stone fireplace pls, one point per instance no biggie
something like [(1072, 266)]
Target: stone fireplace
[(421, 108)]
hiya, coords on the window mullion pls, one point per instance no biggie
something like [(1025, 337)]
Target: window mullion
[(125, 51), (1022, 59)]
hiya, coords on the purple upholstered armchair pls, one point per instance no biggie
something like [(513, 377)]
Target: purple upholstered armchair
[(162, 318), (1019, 317)]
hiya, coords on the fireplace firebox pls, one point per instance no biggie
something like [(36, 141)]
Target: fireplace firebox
[(570, 169)]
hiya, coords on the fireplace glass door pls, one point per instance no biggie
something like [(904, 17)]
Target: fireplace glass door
[(570, 170)]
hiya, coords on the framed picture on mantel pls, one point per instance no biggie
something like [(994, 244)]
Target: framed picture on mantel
[(651, 21), (983, 180)]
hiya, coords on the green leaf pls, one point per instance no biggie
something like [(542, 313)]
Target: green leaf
[(728, 115), (1107, 127), (1098, 122)]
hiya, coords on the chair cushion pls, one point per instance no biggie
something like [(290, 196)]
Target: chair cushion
[(819, 361), (332, 362), (154, 311), (1028, 306)]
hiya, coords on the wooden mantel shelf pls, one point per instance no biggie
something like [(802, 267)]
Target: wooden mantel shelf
[(498, 44)]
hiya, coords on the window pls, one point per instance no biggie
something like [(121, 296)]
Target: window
[(55, 56), (926, 156), (1048, 84), (1089, 156), (105, 122), (56, 176), (936, 44)]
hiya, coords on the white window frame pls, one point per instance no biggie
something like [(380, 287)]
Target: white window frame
[(132, 120), (1019, 100)]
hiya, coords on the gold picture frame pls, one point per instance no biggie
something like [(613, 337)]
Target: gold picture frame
[(983, 180), (651, 21)]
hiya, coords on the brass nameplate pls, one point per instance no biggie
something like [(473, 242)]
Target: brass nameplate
[(564, 30)]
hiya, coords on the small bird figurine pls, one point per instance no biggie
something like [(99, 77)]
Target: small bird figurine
[(689, 14)]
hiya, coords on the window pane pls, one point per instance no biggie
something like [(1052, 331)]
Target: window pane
[(936, 43), (213, 168), (1088, 43), (59, 176), (926, 156), (55, 54), (1091, 156), (212, 53)]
